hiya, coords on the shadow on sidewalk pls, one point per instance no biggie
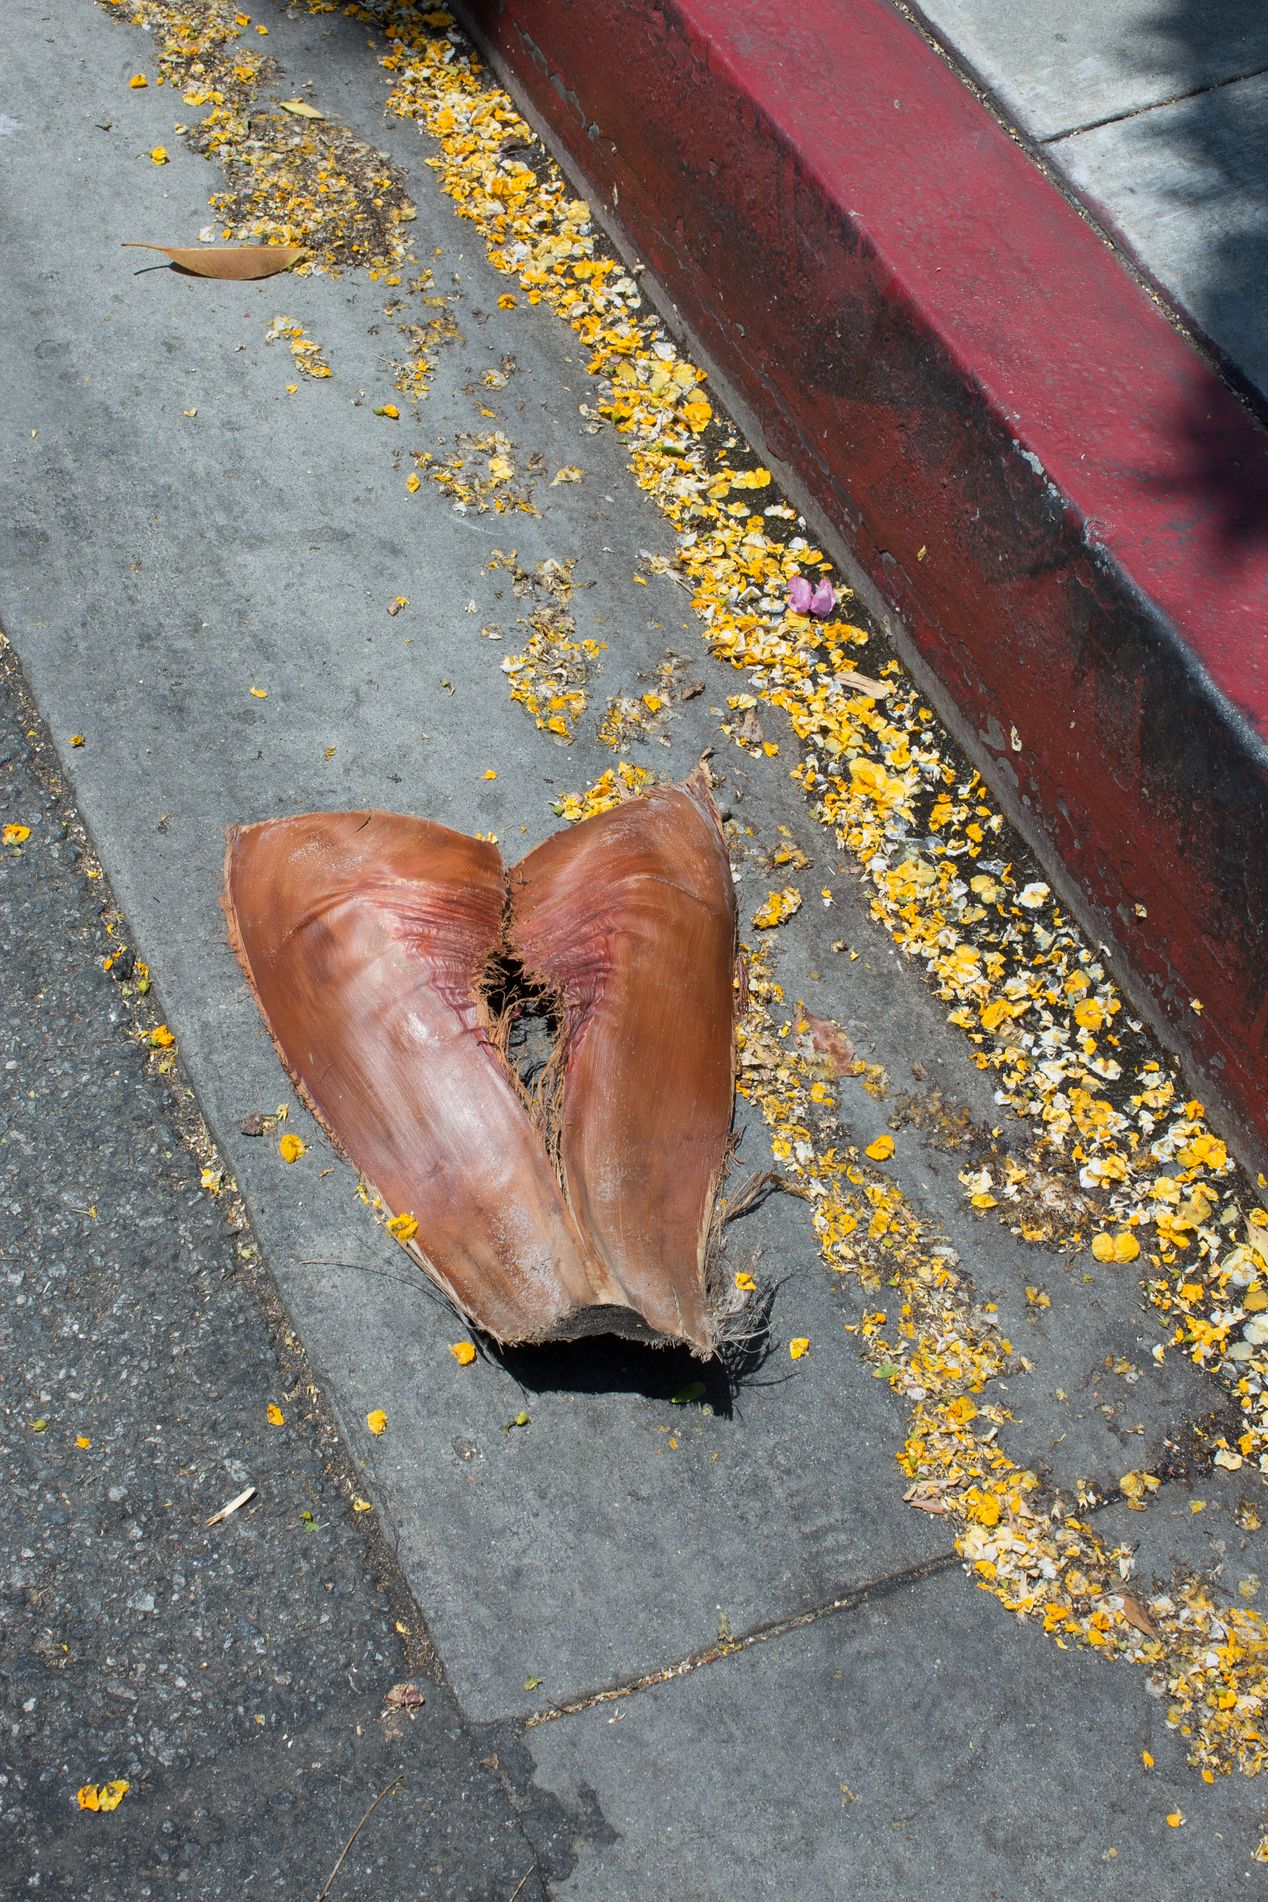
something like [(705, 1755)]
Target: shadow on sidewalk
[(1220, 137), (606, 1364)]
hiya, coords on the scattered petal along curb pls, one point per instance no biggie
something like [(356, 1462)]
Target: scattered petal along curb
[(1034, 1001)]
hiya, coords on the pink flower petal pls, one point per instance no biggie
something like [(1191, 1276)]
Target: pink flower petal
[(800, 595), (823, 600)]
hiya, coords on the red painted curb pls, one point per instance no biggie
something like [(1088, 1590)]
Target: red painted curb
[(951, 359)]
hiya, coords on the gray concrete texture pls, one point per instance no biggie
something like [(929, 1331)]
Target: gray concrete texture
[(1155, 113), (1061, 65), (155, 567), (904, 1752)]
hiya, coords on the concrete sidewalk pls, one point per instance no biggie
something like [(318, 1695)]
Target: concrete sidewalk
[(715, 1647)]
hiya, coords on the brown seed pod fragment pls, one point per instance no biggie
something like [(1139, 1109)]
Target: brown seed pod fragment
[(393, 960), (630, 920), (364, 936)]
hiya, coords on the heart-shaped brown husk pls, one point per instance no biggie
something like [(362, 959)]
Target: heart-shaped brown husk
[(395, 962)]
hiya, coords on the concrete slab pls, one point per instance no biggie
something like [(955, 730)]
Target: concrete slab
[(902, 1753), (1207, 1528), (1089, 1400), (1055, 65), (1186, 187)]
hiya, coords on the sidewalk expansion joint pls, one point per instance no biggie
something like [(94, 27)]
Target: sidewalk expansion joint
[(1153, 105), (868, 1594)]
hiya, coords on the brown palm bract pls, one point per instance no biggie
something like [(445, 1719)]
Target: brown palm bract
[(398, 965)]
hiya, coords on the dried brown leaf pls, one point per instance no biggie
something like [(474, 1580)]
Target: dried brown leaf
[(235, 263), (1137, 1614), (926, 1496), (405, 1697)]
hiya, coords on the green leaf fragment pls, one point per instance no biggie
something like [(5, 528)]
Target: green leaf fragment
[(694, 1390)]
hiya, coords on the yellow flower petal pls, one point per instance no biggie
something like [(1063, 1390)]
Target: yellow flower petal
[(103, 1796), (778, 906), (275, 1415), (162, 1038), (1175, 1819), (745, 1283), (291, 1147), (1121, 1247), (376, 1421), (159, 154), (403, 1227), (463, 1352), (881, 1150), (361, 1505), (985, 1509), (799, 1347), (15, 834)]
